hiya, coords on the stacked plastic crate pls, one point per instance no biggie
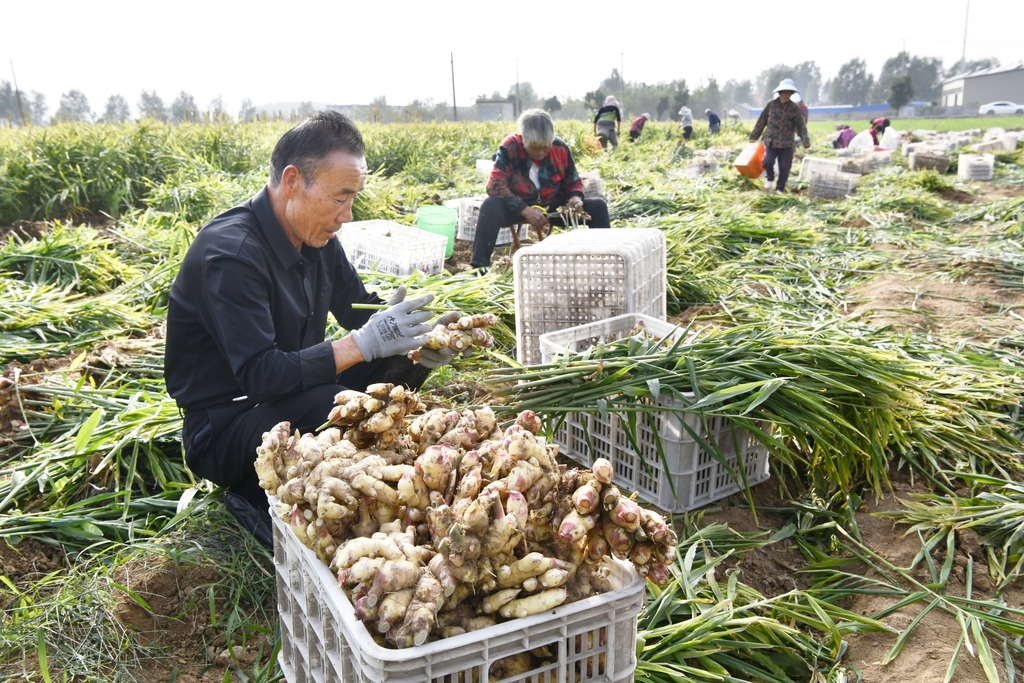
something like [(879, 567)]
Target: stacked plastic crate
[(393, 248), (582, 276), (975, 167), (681, 461)]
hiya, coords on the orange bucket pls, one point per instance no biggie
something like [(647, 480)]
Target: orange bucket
[(748, 163)]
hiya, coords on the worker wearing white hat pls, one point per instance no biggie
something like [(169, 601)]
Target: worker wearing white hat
[(780, 122), (687, 121)]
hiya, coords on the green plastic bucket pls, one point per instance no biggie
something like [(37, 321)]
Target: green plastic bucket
[(440, 220)]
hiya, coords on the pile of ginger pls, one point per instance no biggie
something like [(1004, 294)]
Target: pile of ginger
[(446, 522)]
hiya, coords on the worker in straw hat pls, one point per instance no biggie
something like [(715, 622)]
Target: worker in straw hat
[(780, 122)]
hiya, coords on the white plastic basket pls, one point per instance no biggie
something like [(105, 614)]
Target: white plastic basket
[(468, 209), (987, 146), (592, 188), (925, 159), (696, 475), (975, 167), (577, 339), (812, 165), (832, 185), (702, 166), (582, 276), (867, 162), (484, 168), (593, 640), (393, 248)]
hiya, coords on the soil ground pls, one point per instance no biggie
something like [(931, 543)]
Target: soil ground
[(774, 570)]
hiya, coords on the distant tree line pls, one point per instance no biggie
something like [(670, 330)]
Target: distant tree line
[(902, 79)]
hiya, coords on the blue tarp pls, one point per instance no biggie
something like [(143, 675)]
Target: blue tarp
[(840, 110)]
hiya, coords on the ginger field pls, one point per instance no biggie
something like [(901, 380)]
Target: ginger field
[(878, 335)]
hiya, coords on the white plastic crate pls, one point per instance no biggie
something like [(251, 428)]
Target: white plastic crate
[(975, 167), (924, 159), (697, 476), (866, 162), (592, 188), (393, 248), (593, 640), (812, 165), (468, 209), (988, 146), (484, 168), (581, 276), (832, 185), (577, 339), (702, 166)]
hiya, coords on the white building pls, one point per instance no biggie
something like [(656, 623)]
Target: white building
[(987, 85)]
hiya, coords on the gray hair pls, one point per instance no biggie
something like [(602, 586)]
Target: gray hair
[(536, 127)]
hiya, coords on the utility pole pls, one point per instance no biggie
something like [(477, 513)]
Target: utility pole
[(622, 81), (17, 93), (455, 111), (518, 106), (963, 55)]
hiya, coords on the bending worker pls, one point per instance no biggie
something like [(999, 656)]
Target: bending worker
[(247, 316), (714, 123), (780, 122), (638, 126), (531, 169)]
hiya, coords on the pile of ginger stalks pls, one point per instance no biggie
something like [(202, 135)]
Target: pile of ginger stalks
[(447, 523)]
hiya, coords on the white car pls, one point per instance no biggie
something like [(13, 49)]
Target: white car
[(993, 108)]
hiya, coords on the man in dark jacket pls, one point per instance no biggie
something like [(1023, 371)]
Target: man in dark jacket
[(780, 122), (247, 317), (714, 123)]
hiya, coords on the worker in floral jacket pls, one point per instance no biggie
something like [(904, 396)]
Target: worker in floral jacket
[(780, 122), (533, 176)]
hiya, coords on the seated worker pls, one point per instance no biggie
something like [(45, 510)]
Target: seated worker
[(532, 169), (247, 316), (638, 126)]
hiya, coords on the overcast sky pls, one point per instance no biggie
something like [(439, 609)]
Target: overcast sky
[(351, 52)]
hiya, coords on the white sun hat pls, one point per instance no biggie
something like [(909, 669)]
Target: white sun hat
[(785, 84)]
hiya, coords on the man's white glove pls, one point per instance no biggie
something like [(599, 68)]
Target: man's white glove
[(396, 330), (431, 358)]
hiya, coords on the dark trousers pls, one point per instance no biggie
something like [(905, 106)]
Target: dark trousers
[(687, 132), (495, 215), (220, 442), (784, 155), (633, 135)]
